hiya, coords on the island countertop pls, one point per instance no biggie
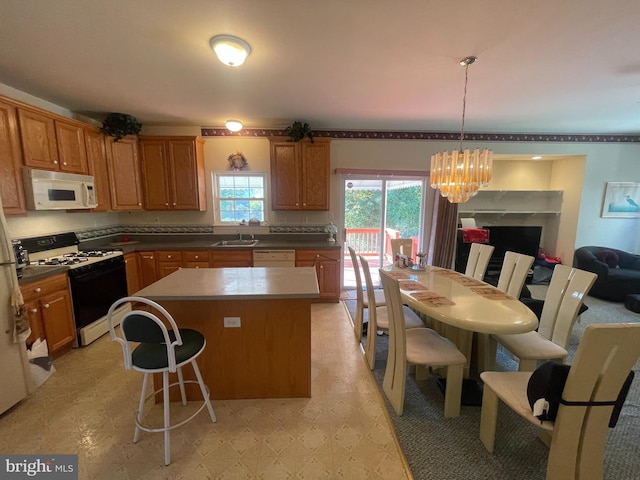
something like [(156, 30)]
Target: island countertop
[(234, 284)]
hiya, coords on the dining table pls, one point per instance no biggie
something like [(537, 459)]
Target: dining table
[(457, 307)]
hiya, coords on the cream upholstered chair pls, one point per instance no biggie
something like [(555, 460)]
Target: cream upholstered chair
[(577, 438), (379, 318), (402, 246), (421, 347), (362, 301), (478, 261), (566, 290), (513, 274), (158, 350)]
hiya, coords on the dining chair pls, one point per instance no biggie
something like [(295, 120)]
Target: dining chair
[(149, 347), (362, 301), (564, 297), (514, 271), (378, 317), (513, 274), (402, 246), (422, 347), (577, 437), (478, 261)]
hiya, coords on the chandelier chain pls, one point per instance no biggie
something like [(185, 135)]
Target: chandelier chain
[(464, 103)]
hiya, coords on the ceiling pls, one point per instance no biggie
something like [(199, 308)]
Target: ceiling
[(547, 66)]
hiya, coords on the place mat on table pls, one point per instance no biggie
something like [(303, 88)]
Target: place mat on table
[(432, 299), (492, 293), (411, 285), (468, 281)]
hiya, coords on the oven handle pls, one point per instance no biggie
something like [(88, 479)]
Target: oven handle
[(95, 273)]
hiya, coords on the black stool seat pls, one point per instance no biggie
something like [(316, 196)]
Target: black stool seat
[(153, 356)]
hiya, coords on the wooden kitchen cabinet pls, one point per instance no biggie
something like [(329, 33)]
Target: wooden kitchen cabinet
[(133, 273), (172, 171), (124, 173), (97, 163), (327, 265), (196, 259), (167, 262), (11, 190), (300, 174), (50, 311), (231, 258), (52, 143), (147, 266)]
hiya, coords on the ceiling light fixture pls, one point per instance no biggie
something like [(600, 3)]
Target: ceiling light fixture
[(230, 50), (234, 125), (459, 174)]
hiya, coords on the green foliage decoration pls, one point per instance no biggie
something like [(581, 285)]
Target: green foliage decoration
[(298, 130), (119, 125)]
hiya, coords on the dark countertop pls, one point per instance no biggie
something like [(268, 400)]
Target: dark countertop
[(177, 242)]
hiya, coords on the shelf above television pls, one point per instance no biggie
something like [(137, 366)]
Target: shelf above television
[(517, 202)]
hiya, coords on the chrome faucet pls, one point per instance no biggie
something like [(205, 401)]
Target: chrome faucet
[(239, 236)]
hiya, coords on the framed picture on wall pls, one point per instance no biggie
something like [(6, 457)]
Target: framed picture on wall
[(621, 200)]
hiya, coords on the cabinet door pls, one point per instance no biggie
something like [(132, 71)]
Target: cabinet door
[(315, 159), (186, 181), (285, 176), (124, 173), (97, 163), (35, 321), (147, 265), (133, 273), (227, 259), (155, 174), (167, 268), (72, 152), (11, 190), (57, 319), (329, 279), (38, 135)]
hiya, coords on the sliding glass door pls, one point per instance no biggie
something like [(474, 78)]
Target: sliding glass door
[(375, 211)]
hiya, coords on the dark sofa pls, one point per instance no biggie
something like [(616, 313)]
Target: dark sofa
[(618, 271)]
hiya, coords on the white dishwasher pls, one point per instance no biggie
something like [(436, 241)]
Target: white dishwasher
[(274, 258)]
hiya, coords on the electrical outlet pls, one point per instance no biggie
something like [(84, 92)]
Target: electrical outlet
[(232, 322)]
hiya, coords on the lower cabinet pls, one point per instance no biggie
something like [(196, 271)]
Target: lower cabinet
[(231, 258), (167, 262), (147, 266), (50, 311), (133, 272), (327, 265)]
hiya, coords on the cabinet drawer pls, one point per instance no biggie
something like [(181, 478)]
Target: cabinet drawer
[(42, 287), (169, 256), (312, 255), (195, 256)]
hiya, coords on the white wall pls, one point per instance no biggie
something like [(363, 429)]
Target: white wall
[(582, 176)]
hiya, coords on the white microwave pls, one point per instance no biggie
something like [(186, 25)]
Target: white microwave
[(47, 190)]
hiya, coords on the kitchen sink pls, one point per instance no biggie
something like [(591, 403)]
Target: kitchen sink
[(235, 243)]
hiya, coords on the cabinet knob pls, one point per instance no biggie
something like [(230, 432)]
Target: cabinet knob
[(64, 163), (34, 310), (140, 204), (197, 257), (168, 256), (197, 266), (166, 203), (174, 204), (55, 162), (304, 204), (37, 290), (46, 305), (321, 267)]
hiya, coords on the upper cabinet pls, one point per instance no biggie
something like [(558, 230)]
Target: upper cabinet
[(11, 190), (124, 173), (97, 161), (172, 173), (51, 143), (300, 174)]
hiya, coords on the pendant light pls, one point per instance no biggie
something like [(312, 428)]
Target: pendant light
[(459, 174)]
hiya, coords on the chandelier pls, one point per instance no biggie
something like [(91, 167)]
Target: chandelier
[(459, 174)]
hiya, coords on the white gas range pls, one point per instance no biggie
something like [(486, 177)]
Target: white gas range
[(97, 279)]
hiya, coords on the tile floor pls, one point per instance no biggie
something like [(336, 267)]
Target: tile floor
[(87, 408)]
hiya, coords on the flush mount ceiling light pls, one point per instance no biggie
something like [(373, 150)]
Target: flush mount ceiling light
[(234, 125), (459, 174), (230, 50)]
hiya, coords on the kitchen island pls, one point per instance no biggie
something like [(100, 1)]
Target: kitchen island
[(257, 323)]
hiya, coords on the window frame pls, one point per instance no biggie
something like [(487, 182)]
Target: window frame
[(217, 220)]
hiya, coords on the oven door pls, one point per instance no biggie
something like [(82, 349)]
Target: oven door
[(95, 287)]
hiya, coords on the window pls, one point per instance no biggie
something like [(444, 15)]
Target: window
[(239, 196)]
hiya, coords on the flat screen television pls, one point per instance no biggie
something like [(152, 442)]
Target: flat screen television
[(520, 239)]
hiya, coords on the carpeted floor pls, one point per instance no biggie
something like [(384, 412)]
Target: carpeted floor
[(438, 448)]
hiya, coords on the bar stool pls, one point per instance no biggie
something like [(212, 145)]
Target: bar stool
[(159, 350)]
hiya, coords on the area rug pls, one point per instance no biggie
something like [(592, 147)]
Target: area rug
[(439, 448)]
